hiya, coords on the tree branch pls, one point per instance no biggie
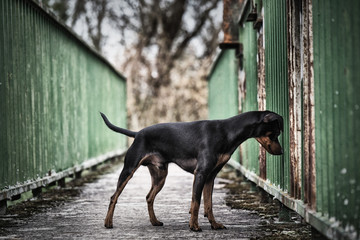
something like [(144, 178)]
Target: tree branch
[(189, 36)]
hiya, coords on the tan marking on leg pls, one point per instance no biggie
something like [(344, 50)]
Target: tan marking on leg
[(194, 211), (223, 158), (208, 210), (194, 223), (208, 191), (158, 180), (114, 198), (113, 201)]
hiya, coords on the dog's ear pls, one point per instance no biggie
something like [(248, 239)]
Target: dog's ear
[(272, 117)]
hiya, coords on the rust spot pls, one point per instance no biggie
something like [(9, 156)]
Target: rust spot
[(230, 16), (227, 20)]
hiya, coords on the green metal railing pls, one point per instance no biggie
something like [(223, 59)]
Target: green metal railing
[(336, 37), (320, 44), (250, 148), (276, 75), (52, 87), (223, 85)]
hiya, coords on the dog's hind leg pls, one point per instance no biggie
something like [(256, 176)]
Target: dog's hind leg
[(125, 176), (158, 176), (131, 164)]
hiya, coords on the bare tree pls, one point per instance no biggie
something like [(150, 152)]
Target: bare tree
[(163, 40), (60, 8), (164, 31), (95, 12)]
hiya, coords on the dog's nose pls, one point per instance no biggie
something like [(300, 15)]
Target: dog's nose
[(279, 152)]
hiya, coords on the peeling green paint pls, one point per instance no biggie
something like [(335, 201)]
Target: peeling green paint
[(52, 88)]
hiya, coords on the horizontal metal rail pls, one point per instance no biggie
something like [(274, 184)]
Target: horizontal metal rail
[(11, 191), (330, 229)]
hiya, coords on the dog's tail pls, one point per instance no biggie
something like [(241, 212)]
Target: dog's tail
[(117, 129)]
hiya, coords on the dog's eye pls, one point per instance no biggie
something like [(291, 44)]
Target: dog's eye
[(273, 136)]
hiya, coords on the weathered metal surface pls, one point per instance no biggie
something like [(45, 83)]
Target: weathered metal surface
[(327, 227), (17, 190), (301, 104), (311, 79), (52, 88), (295, 95), (336, 37), (277, 167), (261, 85), (308, 136), (223, 88), (230, 16)]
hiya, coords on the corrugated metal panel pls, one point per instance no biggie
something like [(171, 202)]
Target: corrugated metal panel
[(52, 88), (277, 167), (250, 148), (336, 30), (223, 88)]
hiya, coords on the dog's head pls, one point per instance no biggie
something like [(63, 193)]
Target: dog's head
[(268, 132)]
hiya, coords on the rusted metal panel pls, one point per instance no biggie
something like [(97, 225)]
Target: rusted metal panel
[(231, 10), (309, 176), (301, 105), (295, 95), (261, 86), (52, 86)]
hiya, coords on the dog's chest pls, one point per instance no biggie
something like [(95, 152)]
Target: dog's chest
[(188, 165)]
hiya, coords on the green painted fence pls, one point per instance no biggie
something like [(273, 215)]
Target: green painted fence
[(336, 37), (52, 87), (223, 88), (249, 102), (310, 49), (277, 167), (277, 93)]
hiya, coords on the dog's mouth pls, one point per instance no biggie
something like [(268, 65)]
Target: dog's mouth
[(272, 147)]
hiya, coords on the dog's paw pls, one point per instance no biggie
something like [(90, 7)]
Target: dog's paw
[(195, 228), (157, 223), (217, 226), (108, 224)]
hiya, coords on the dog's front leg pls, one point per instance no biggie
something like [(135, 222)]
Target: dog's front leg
[(208, 191), (208, 211), (199, 182)]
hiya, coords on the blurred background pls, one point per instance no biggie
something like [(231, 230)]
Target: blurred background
[(164, 48)]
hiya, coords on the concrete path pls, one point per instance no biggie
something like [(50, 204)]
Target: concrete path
[(78, 212)]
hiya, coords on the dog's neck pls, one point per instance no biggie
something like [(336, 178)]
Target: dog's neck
[(243, 126)]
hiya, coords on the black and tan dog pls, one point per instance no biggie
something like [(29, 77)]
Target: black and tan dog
[(201, 148)]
